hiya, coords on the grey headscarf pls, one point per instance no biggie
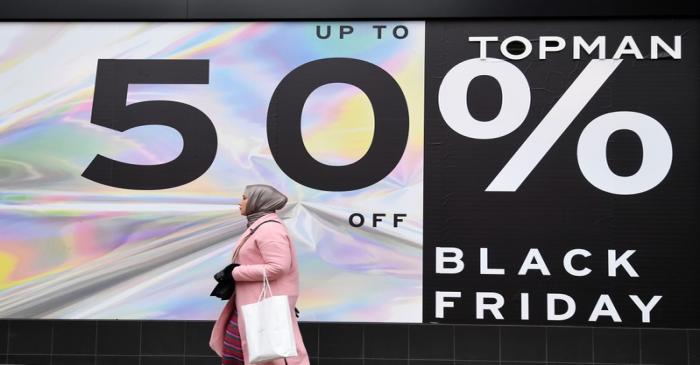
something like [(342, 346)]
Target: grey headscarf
[(262, 199)]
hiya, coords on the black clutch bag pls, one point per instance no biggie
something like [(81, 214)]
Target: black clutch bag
[(225, 284)]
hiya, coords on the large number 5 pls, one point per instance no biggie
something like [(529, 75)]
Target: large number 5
[(109, 110)]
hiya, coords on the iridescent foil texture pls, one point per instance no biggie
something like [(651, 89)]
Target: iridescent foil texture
[(73, 248)]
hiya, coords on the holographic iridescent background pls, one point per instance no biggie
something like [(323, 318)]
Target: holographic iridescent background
[(72, 248)]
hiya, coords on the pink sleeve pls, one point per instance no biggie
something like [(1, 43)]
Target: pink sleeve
[(274, 247)]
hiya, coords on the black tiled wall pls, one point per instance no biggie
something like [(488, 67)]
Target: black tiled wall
[(89, 342)]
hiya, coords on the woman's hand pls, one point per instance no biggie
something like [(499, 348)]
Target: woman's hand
[(233, 267)]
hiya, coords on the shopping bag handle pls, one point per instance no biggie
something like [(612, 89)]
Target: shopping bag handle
[(266, 285)]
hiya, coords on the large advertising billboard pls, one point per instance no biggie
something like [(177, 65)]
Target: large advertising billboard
[(88, 231), (483, 171), (564, 190)]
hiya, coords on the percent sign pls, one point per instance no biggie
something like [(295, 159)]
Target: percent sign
[(657, 151)]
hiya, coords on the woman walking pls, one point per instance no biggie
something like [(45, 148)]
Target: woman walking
[(268, 249)]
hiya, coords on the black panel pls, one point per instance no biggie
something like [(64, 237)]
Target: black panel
[(334, 9), (338, 340), (694, 344), (430, 362), (666, 347), (29, 337), (340, 361), (209, 360), (385, 362), (74, 337), (162, 338), (386, 341), (523, 344), (117, 360), (87, 9), (616, 345), (477, 342), (3, 338), (197, 336), (431, 342), (162, 360), (29, 359), (73, 360), (118, 338), (203, 360), (570, 344)]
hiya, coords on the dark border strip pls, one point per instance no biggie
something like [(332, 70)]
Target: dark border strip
[(19, 10)]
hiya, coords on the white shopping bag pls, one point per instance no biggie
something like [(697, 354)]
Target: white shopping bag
[(268, 327)]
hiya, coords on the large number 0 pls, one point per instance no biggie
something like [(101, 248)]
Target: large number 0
[(109, 110), (390, 124)]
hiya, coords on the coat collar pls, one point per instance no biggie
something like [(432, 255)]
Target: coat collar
[(266, 217)]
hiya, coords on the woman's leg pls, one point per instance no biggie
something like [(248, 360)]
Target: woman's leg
[(233, 353)]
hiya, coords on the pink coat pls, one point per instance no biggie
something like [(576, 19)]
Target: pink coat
[(271, 249)]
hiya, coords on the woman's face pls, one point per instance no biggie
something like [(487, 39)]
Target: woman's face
[(244, 204)]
